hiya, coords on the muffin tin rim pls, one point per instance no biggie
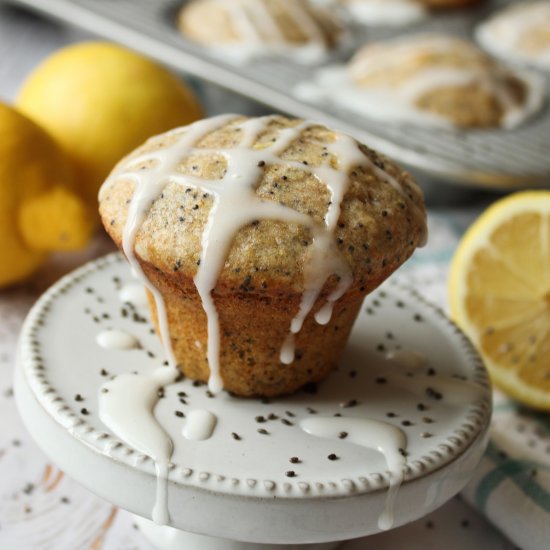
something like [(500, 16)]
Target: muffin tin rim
[(482, 169)]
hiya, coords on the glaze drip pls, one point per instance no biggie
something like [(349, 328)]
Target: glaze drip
[(116, 339), (125, 407), (199, 425), (385, 438)]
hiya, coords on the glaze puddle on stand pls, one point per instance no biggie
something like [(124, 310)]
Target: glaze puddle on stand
[(133, 293), (199, 425), (116, 339)]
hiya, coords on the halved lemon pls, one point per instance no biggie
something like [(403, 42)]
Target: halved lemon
[(499, 293)]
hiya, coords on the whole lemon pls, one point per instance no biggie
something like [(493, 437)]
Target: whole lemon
[(100, 101), (39, 212)]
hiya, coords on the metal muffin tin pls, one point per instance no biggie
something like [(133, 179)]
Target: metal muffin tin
[(501, 159)]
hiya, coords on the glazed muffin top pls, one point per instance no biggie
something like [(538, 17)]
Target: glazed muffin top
[(520, 32), (444, 77), (262, 24), (274, 188)]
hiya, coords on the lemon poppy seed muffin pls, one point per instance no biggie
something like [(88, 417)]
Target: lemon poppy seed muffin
[(241, 29), (283, 221), (434, 79)]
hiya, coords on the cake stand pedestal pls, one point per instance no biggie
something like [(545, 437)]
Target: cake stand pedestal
[(259, 479)]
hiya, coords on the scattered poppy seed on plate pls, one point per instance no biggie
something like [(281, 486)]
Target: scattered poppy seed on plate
[(290, 473), (235, 436), (179, 414), (433, 394), (84, 411), (263, 431), (332, 456), (343, 435), (78, 397), (295, 460)]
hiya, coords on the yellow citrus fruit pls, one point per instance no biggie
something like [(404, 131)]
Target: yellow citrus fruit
[(499, 293), (100, 101), (38, 210)]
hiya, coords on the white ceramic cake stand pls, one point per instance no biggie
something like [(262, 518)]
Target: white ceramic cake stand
[(240, 484)]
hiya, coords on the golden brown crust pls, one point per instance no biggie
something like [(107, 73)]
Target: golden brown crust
[(259, 290)]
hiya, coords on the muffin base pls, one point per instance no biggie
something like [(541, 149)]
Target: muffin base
[(252, 331)]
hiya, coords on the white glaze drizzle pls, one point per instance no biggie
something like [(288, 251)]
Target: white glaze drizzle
[(199, 425), (398, 102), (116, 339), (386, 12), (260, 32), (504, 34), (380, 436), (125, 407), (133, 293)]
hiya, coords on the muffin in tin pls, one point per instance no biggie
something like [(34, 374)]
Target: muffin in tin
[(262, 236), (240, 30), (433, 80), (521, 33)]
